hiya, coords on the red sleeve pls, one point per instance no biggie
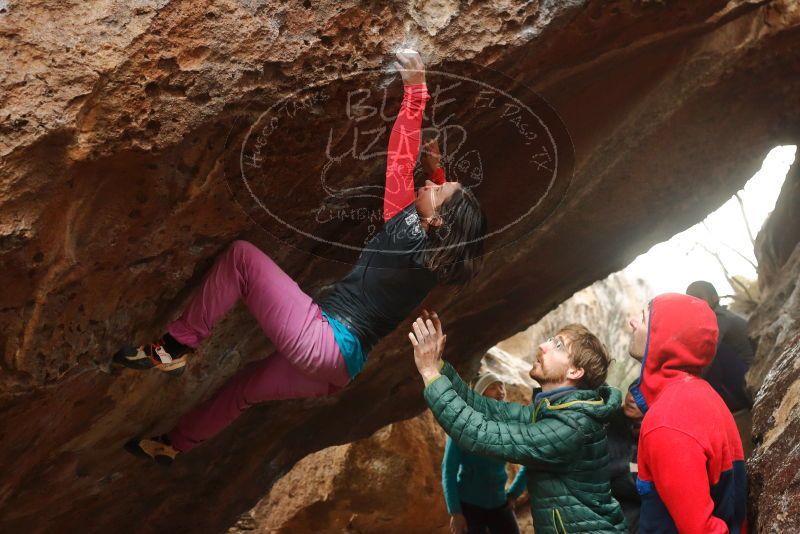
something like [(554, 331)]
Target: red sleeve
[(438, 176), (676, 464), (403, 151)]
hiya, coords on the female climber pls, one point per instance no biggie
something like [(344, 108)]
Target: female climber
[(434, 235)]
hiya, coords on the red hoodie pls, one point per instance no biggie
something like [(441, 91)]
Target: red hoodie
[(691, 463)]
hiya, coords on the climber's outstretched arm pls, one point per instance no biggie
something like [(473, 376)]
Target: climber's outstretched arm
[(404, 140)]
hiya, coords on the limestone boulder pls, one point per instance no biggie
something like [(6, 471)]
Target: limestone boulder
[(388, 482)]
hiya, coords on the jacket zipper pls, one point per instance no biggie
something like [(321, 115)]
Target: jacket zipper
[(557, 522)]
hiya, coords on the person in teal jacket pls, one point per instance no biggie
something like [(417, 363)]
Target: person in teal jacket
[(475, 486)]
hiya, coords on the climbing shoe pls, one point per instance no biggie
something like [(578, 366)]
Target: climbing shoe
[(152, 355), (157, 449)]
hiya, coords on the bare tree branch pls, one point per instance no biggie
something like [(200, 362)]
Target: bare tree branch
[(733, 281), (744, 218), (731, 247), (741, 255)]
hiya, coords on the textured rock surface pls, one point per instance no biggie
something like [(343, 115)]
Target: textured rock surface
[(774, 468), (120, 119), (389, 482)]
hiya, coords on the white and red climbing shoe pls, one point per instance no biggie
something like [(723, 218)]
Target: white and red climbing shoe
[(151, 356)]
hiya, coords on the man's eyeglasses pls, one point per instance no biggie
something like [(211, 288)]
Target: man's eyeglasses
[(557, 343)]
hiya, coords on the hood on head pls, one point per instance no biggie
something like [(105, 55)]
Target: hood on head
[(681, 340)]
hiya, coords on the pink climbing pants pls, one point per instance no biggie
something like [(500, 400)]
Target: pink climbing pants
[(307, 361)]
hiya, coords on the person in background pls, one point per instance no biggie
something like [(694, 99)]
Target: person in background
[(623, 437), (691, 471), (732, 360), (475, 486)]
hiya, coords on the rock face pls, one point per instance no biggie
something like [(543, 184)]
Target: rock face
[(389, 482), (122, 141), (775, 375)]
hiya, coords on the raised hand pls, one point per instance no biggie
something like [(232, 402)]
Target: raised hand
[(410, 66), (433, 317), (428, 341)]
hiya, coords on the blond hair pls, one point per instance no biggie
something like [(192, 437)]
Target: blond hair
[(587, 352)]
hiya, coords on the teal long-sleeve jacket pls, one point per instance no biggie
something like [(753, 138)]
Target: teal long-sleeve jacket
[(477, 480), (561, 440)]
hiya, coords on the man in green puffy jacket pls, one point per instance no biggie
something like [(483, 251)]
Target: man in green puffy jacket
[(560, 438)]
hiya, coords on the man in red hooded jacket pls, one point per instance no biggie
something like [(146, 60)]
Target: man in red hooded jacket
[(691, 465)]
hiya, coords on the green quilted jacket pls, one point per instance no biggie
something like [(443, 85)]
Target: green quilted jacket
[(562, 440)]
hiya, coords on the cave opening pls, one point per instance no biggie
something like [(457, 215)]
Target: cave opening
[(720, 249)]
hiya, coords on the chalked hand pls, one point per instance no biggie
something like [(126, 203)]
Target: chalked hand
[(410, 66)]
